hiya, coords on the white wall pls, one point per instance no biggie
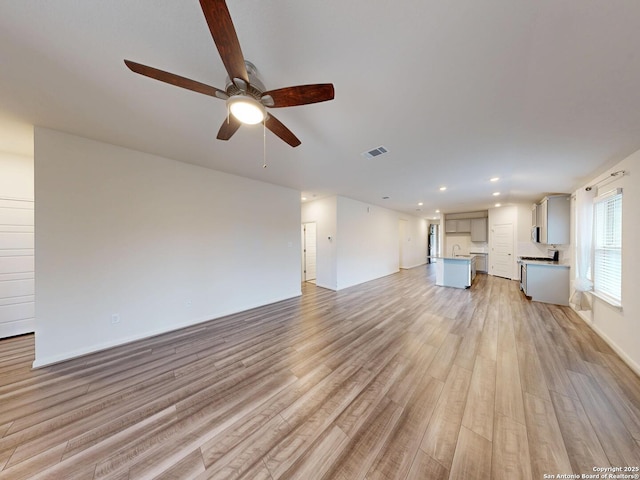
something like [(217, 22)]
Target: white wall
[(621, 327), (141, 236), (324, 213), (16, 245), (368, 242), (365, 241), (16, 176), (413, 244)]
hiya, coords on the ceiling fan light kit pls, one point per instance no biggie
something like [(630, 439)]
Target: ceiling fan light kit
[(246, 109), (245, 93)]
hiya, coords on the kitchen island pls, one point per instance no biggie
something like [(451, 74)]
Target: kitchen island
[(457, 272)]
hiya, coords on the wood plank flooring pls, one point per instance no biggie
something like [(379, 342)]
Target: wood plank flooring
[(392, 379)]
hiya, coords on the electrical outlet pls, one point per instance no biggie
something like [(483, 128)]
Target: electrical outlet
[(115, 318)]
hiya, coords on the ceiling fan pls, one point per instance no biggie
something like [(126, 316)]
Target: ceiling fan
[(246, 97)]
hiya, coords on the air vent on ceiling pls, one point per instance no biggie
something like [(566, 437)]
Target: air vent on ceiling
[(375, 152)]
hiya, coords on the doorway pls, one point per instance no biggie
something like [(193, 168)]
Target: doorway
[(402, 236), (309, 252)]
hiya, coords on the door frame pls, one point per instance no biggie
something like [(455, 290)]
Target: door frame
[(492, 248), (304, 251)]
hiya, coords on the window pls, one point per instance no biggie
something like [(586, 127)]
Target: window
[(607, 246)]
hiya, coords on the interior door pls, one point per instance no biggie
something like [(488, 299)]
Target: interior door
[(309, 251), (502, 250), (17, 293)]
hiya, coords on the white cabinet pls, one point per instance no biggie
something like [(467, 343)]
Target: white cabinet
[(479, 230), (553, 218)]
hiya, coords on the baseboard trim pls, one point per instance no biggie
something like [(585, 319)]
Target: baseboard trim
[(53, 359), (17, 327), (621, 353), (413, 266)]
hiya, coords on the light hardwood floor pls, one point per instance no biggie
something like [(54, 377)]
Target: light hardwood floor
[(392, 379)]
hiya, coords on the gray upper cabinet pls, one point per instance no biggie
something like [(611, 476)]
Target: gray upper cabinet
[(474, 223), (464, 225), (554, 220), (457, 226), (479, 230), (450, 226)]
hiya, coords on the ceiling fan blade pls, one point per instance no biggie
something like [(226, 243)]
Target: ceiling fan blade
[(228, 128), (176, 80), (277, 127), (300, 95), (224, 35)]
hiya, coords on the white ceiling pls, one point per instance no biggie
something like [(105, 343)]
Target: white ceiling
[(542, 93)]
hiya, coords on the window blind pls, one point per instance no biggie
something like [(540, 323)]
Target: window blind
[(607, 246)]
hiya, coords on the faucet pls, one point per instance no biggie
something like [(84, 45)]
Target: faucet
[(453, 249)]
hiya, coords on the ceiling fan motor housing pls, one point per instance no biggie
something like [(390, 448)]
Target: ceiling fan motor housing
[(255, 88)]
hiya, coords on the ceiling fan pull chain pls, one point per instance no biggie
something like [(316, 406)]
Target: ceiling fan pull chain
[(264, 143)]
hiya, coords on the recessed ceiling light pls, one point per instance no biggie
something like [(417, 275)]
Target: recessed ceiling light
[(420, 204), (495, 194), (437, 211), (494, 179), (442, 189), (498, 205), (304, 198)]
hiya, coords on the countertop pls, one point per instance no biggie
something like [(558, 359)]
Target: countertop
[(548, 263), (466, 258)]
